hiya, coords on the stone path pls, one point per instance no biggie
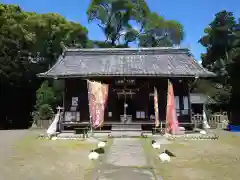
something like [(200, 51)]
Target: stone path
[(125, 160)]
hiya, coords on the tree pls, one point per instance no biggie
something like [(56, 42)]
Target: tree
[(29, 37), (114, 17), (218, 39), (47, 98), (221, 40), (29, 44), (158, 32), (45, 95)]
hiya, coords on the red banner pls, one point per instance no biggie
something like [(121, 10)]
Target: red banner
[(97, 96), (156, 107), (171, 115)]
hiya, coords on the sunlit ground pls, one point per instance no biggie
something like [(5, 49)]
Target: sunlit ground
[(198, 160), (35, 159)]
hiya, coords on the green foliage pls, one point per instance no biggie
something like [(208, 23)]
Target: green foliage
[(45, 112), (222, 42), (218, 40), (100, 44), (114, 17), (48, 97), (45, 95), (29, 44), (58, 89), (219, 93), (158, 32)]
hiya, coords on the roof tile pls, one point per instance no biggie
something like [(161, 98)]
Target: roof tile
[(126, 62)]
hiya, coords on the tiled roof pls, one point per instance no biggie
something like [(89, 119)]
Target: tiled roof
[(165, 62)]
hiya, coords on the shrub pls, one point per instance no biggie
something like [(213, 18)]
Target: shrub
[(45, 95), (48, 96), (45, 112)]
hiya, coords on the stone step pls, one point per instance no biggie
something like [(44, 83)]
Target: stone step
[(126, 133), (125, 127)]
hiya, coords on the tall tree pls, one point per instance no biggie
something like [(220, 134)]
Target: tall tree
[(221, 40), (29, 44), (115, 18), (158, 32)]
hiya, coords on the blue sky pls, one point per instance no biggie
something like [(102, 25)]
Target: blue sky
[(195, 15)]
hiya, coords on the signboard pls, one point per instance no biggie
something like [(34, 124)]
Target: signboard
[(125, 82), (74, 101)]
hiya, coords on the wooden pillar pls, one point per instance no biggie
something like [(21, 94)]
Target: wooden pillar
[(146, 99), (189, 102), (63, 105), (64, 93)]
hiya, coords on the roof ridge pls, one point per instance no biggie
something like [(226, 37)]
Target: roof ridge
[(126, 51), (130, 49)]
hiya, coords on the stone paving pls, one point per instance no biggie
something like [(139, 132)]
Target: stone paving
[(125, 160), (126, 152)]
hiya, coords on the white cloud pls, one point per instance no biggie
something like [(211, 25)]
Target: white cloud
[(137, 28)]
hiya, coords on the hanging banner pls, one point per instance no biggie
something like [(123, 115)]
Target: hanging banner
[(105, 93), (97, 97), (156, 107), (205, 122), (172, 125)]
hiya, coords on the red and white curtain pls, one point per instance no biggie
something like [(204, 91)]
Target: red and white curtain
[(156, 107), (97, 97)]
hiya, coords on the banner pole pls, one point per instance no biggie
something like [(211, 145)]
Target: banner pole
[(90, 118), (167, 109)]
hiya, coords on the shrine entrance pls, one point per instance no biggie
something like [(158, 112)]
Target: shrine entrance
[(126, 106), (131, 100)]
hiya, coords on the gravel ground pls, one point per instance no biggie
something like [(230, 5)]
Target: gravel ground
[(23, 156), (8, 139), (200, 159)]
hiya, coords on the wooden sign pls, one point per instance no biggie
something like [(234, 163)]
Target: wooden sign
[(74, 101), (125, 82)]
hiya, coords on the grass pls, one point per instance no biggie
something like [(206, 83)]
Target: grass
[(198, 160), (44, 159)]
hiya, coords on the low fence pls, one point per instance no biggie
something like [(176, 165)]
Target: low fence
[(217, 120)]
